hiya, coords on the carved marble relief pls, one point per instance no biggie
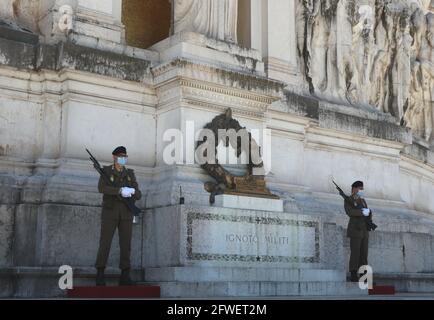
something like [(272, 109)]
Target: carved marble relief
[(372, 52), (7, 10)]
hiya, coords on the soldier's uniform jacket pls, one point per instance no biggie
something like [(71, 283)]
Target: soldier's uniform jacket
[(357, 227), (111, 201)]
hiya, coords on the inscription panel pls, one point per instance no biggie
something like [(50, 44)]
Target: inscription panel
[(250, 238)]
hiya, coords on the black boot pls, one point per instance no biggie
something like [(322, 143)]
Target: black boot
[(125, 279), (354, 277), (100, 280)]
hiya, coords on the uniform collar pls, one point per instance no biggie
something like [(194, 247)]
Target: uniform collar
[(119, 173)]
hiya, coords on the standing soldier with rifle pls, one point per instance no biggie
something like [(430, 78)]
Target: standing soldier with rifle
[(358, 227), (120, 190)]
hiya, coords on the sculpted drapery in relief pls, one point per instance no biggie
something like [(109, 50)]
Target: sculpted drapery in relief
[(216, 19), (7, 10), (319, 56), (371, 52), (362, 47), (23, 14), (419, 114)]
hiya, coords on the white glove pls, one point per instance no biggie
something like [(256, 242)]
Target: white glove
[(366, 212), (127, 192)]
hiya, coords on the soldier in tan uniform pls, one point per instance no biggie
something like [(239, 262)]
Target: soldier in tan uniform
[(357, 230), (116, 215)]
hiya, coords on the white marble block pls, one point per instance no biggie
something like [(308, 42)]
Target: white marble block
[(214, 236), (253, 203)]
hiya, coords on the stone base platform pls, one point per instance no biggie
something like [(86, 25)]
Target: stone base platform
[(43, 282), (407, 282), (216, 274), (209, 282), (258, 289), (200, 251)]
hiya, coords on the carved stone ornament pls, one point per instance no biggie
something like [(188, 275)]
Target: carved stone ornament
[(248, 184)]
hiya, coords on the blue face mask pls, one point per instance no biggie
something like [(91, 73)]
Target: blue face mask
[(122, 161), (360, 194)]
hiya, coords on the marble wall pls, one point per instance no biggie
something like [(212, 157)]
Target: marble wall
[(332, 83), (360, 41), (375, 53)]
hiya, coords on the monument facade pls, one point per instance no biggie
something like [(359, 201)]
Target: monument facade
[(342, 89)]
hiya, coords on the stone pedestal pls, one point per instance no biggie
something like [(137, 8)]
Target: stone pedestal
[(212, 236), (252, 203), (194, 251)]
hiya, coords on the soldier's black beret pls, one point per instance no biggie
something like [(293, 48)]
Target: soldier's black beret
[(357, 184), (119, 150)]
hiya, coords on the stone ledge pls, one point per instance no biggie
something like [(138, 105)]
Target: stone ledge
[(239, 79), (203, 41), (42, 282), (17, 51), (19, 55), (407, 282), (363, 121), (15, 34), (420, 151), (246, 202), (367, 127), (406, 276), (257, 289), (81, 272), (197, 47), (270, 274), (100, 62), (302, 105)]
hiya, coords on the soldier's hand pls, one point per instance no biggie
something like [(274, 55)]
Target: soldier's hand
[(366, 212), (126, 192)]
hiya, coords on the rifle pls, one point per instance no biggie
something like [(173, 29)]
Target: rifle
[(127, 201), (371, 225), (342, 193)]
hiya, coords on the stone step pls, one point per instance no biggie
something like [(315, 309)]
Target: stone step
[(43, 282), (93, 292), (407, 282), (215, 274), (241, 289)]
